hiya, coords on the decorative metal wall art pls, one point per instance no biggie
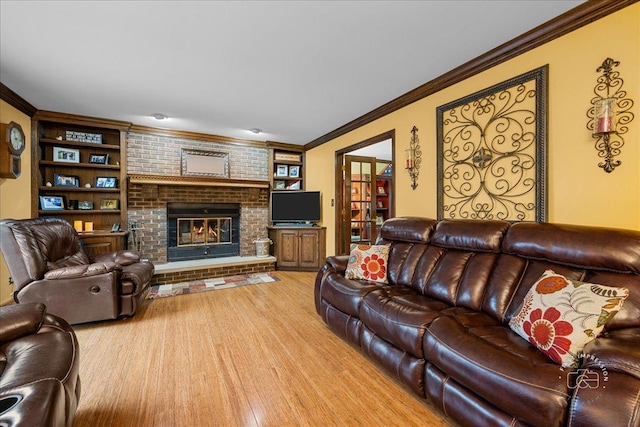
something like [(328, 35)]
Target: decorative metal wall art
[(413, 156), (609, 115), (492, 152)]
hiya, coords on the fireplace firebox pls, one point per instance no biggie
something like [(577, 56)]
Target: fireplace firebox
[(202, 230)]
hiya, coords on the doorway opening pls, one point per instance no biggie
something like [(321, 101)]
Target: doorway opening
[(365, 190)]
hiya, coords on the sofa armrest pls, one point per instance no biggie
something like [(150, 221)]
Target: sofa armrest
[(617, 350), (339, 263), (84, 270), (123, 257), (19, 320)]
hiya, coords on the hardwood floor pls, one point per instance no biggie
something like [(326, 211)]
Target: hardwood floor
[(256, 355)]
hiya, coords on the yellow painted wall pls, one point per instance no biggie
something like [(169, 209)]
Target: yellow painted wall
[(15, 194), (579, 192)]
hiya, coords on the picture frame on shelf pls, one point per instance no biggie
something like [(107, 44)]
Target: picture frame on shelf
[(294, 171), (381, 190), (380, 204), (282, 170), (295, 185), (287, 157), (66, 155), (109, 204), (52, 203), (278, 185), (60, 180), (106, 182), (85, 205), (101, 159)]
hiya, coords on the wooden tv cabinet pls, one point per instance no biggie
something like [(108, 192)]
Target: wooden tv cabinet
[(298, 247)]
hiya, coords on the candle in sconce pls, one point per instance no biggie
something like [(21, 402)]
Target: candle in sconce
[(409, 159), (77, 225), (88, 226), (604, 115)]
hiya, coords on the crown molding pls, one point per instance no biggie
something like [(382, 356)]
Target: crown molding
[(195, 136), (16, 101), (569, 21)]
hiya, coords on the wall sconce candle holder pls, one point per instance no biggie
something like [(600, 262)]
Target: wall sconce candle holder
[(609, 115), (413, 158)]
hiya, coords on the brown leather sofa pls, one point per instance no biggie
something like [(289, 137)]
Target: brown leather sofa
[(47, 264), (441, 325), (39, 368)]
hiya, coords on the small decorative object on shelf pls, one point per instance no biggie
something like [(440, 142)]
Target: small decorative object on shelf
[(85, 205), (609, 115), (413, 158), (106, 182)]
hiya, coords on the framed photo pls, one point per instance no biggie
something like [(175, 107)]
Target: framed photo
[(204, 163), (294, 171), (278, 185), (381, 190), (51, 203), (66, 180), (282, 170), (66, 155), (109, 204), (101, 159), (85, 205), (106, 182), (380, 204)]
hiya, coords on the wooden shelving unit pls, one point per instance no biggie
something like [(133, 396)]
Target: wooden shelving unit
[(287, 163), (67, 175)]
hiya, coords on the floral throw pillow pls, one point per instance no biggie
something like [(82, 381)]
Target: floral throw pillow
[(560, 316), (368, 262)]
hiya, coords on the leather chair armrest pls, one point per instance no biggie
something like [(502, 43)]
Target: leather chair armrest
[(123, 257), (617, 350), (338, 262), (19, 320), (84, 270)]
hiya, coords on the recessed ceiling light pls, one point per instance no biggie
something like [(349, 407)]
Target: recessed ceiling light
[(256, 130), (159, 116)]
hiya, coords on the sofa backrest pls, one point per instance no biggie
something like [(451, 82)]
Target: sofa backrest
[(596, 255), (31, 247), (491, 265)]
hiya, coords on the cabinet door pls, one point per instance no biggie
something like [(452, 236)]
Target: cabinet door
[(308, 249), (288, 248)]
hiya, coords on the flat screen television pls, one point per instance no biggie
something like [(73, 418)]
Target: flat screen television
[(295, 207)]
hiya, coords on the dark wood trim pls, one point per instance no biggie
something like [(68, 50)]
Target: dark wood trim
[(563, 24), (285, 146), (195, 136), (196, 181), (15, 100), (52, 116)]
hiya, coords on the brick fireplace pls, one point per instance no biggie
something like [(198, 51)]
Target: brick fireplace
[(147, 205), (150, 151)]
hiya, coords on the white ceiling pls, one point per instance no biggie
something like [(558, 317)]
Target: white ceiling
[(295, 69)]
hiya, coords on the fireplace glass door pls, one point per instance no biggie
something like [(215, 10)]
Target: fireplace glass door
[(204, 231)]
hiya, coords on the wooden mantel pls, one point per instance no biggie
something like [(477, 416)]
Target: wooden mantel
[(197, 181)]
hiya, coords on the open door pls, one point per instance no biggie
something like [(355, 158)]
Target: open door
[(359, 213)]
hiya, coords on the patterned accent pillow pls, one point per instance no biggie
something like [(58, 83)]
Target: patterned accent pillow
[(560, 316), (368, 262)]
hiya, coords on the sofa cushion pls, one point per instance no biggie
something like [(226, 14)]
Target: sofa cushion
[(368, 262), (345, 294), (400, 316), (479, 352), (560, 316)]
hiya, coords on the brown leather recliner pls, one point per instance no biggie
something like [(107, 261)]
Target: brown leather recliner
[(39, 368), (47, 264)]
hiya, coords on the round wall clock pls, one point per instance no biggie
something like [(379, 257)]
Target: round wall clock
[(11, 149)]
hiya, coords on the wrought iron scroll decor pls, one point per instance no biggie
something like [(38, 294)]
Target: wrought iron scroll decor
[(609, 115), (492, 152)]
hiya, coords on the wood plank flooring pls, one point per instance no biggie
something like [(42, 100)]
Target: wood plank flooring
[(255, 355)]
